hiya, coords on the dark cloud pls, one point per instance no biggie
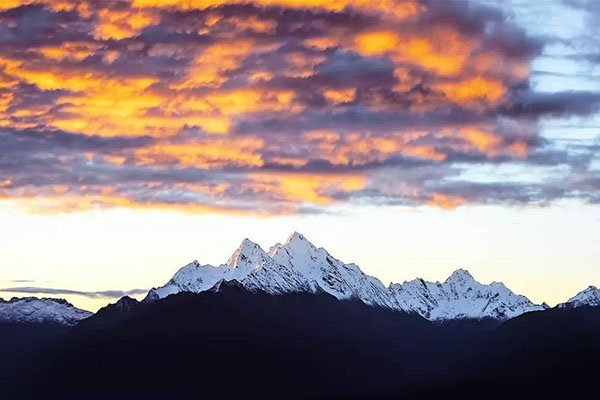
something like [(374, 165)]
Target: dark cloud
[(556, 104), (109, 294), (34, 25)]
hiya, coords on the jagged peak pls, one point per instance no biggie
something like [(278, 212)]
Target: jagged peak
[(298, 241), (41, 309), (589, 292), (296, 236), (415, 281), (247, 244), (460, 275), (40, 299), (248, 250), (273, 249), (126, 301)]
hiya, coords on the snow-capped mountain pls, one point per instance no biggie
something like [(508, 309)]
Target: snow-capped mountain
[(295, 266), (460, 296), (299, 266), (587, 297), (33, 309)]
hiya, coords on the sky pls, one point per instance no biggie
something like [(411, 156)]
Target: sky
[(411, 138)]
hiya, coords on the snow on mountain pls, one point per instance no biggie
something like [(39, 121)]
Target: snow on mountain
[(299, 266), (249, 265), (460, 296), (33, 309), (295, 266), (322, 272), (587, 297)]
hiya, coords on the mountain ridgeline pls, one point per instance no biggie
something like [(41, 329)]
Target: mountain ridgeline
[(296, 323), (299, 266), (235, 343)]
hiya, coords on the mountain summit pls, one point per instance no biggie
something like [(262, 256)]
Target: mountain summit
[(587, 297), (299, 266)]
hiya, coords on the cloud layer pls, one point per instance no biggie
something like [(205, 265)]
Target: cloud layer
[(104, 294), (275, 106)]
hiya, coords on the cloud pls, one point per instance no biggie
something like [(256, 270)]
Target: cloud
[(94, 295), (274, 107)]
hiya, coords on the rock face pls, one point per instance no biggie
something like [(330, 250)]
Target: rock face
[(587, 297), (41, 310), (299, 266)]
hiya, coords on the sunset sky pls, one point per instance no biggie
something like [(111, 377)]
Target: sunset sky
[(412, 138)]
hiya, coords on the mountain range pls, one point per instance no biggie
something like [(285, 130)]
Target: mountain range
[(297, 323), (231, 342), (298, 266)]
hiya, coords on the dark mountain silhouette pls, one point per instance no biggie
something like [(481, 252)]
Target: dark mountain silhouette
[(239, 344), (19, 341)]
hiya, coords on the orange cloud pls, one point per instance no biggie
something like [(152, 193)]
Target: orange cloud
[(291, 161), (392, 8), (323, 42), (443, 51), (300, 65), (113, 159), (56, 5), (425, 152), (69, 50), (377, 42), (472, 91), (446, 201), (103, 105), (485, 141), (253, 23), (118, 25), (519, 149), (249, 100), (306, 188), (340, 96), (215, 153), (357, 149), (70, 203), (211, 65)]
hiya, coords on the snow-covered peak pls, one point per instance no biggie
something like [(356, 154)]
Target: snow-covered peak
[(587, 297), (298, 253), (38, 310), (299, 244), (273, 249), (248, 253), (460, 296), (460, 276), (296, 236)]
